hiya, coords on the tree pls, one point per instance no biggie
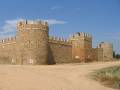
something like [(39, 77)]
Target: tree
[(114, 54), (117, 56)]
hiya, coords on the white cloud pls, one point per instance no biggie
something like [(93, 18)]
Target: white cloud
[(9, 27), (56, 8), (54, 21)]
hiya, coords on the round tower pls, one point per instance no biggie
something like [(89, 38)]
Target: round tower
[(107, 50), (81, 47), (32, 40)]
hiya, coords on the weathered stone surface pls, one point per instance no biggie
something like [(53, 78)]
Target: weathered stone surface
[(81, 47), (61, 53), (33, 45), (107, 50), (32, 40)]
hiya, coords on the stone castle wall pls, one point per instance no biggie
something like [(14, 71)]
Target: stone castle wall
[(8, 50), (98, 54), (32, 40), (60, 50), (82, 47), (107, 50), (33, 45)]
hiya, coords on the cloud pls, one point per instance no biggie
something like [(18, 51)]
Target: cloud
[(9, 27), (56, 8), (54, 21)]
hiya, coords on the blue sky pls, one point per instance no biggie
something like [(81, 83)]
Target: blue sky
[(101, 18)]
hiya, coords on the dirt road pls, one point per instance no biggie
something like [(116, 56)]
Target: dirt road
[(55, 77)]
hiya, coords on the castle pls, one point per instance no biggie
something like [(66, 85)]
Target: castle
[(33, 45)]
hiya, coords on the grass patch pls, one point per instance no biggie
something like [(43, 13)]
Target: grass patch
[(108, 76)]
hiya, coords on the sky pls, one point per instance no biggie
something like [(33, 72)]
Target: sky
[(101, 18)]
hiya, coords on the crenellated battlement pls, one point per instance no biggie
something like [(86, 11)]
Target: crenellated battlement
[(33, 22), (59, 40), (104, 44), (30, 24), (10, 39), (81, 35)]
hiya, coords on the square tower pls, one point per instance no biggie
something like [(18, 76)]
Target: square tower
[(32, 40), (81, 47)]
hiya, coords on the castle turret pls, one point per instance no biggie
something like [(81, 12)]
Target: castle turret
[(81, 47), (32, 40), (107, 50)]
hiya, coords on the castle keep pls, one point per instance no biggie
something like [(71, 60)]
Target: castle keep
[(33, 45)]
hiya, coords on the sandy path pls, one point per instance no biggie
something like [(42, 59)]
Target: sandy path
[(56, 77)]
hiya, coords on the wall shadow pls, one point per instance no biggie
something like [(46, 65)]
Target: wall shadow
[(51, 59)]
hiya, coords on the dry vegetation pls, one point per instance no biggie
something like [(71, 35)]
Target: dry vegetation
[(109, 76)]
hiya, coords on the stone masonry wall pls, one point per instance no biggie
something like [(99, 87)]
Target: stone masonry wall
[(33, 45), (60, 51), (107, 50), (32, 39), (81, 47), (8, 51)]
